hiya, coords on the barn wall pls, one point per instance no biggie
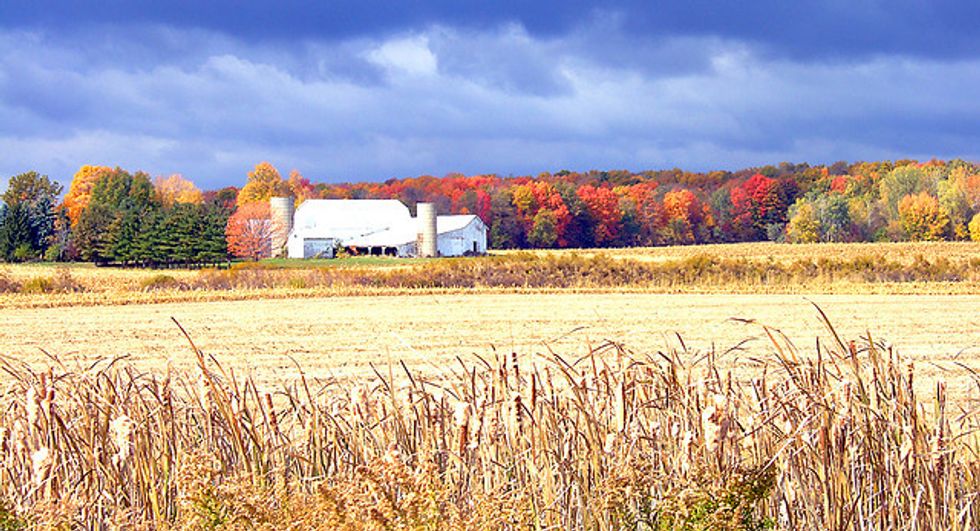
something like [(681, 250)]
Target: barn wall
[(299, 247), (294, 246), (458, 242), (312, 247)]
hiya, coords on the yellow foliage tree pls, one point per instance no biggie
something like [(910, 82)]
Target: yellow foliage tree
[(803, 226), (80, 191), (263, 182), (177, 189), (975, 228), (921, 217)]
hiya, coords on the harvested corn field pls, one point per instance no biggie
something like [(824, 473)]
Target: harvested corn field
[(342, 335)]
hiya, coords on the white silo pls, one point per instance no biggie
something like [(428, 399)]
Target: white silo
[(281, 210), (427, 242)]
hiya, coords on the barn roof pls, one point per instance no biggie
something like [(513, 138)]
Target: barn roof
[(350, 218), (454, 222)]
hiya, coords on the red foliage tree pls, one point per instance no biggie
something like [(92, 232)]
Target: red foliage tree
[(603, 206), (756, 203), (249, 231)]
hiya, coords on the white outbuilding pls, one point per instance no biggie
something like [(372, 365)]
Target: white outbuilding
[(376, 226)]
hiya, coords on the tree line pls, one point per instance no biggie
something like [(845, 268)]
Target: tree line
[(841, 202), (109, 215)]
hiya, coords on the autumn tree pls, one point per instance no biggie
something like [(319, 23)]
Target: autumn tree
[(544, 229), (300, 187), (959, 198), (644, 211), (263, 182), (803, 225), (531, 198), (688, 219), (505, 227), (603, 207), (904, 181), (176, 189), (224, 198), (80, 190), (756, 203), (249, 231), (974, 228), (921, 217)]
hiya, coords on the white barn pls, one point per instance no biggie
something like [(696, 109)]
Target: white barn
[(376, 226)]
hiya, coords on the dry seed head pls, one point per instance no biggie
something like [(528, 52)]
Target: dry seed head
[(361, 401), (47, 401), (31, 404), (610, 445), (621, 406), (121, 432), (41, 465), (392, 456), (4, 444), (518, 413), (461, 416), (716, 423)]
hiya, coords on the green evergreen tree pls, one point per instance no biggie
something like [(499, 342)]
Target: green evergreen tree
[(16, 237)]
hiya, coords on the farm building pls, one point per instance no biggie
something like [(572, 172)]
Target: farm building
[(318, 227)]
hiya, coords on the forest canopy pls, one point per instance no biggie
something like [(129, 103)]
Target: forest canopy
[(109, 215)]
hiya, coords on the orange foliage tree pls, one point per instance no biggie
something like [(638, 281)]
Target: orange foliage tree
[(176, 189), (688, 218), (648, 212), (249, 231), (531, 198), (300, 187), (921, 217), (80, 191)]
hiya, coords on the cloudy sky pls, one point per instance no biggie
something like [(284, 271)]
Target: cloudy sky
[(361, 90)]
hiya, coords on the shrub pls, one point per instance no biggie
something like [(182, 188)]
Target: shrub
[(38, 285), (7, 284), (160, 282), (23, 253), (64, 282), (9, 520)]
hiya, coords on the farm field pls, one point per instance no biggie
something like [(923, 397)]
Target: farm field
[(881, 268), (305, 431), (905, 252), (341, 336)]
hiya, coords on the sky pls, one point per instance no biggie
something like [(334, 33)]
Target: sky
[(367, 91)]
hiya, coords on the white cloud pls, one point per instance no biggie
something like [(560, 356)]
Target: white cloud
[(406, 55)]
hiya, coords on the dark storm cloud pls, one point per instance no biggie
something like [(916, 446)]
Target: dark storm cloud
[(802, 28), (371, 93)]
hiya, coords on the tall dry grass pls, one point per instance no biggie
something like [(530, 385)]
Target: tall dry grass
[(699, 272), (611, 440)]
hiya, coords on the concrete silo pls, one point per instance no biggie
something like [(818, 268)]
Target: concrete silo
[(427, 242), (281, 211)]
